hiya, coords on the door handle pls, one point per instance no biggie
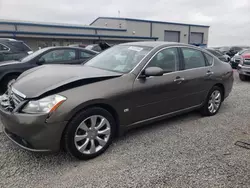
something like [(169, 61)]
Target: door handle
[(179, 80), (209, 73)]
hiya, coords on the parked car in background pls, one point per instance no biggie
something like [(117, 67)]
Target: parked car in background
[(78, 45), (231, 51), (220, 55), (11, 49), (244, 66), (10, 70), (235, 60), (98, 47), (83, 108)]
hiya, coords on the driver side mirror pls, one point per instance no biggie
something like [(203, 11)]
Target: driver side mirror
[(152, 71), (40, 61)]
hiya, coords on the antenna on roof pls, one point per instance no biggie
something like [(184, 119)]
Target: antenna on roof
[(119, 21)]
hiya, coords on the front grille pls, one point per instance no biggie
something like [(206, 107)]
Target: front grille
[(10, 100), (15, 99), (247, 62)]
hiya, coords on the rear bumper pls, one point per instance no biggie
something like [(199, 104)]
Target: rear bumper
[(243, 70), (31, 132)]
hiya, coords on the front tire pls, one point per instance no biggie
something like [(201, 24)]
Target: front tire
[(242, 77), (89, 133), (213, 102), (7, 81)]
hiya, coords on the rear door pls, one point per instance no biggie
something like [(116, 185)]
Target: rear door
[(197, 74)]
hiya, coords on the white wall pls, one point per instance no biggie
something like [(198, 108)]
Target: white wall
[(204, 30), (111, 23), (54, 30), (159, 28)]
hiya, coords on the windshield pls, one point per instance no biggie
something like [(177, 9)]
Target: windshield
[(33, 55), (246, 52), (120, 58), (19, 45)]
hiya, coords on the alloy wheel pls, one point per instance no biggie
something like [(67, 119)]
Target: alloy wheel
[(92, 134), (214, 101)]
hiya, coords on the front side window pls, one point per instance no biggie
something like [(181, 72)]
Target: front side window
[(120, 58), (59, 55), (193, 58), (166, 59)]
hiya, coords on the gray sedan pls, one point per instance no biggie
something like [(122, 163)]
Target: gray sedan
[(82, 108)]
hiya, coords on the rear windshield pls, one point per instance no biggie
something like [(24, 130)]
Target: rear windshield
[(18, 45)]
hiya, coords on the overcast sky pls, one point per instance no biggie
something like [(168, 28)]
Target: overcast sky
[(229, 19)]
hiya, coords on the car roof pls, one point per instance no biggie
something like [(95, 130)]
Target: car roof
[(69, 47), (155, 44), (8, 40)]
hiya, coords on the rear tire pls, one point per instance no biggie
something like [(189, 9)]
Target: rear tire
[(242, 77), (89, 133), (213, 102)]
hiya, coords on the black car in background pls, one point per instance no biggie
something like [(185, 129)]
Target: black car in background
[(231, 51), (98, 47), (11, 49), (10, 70), (220, 55)]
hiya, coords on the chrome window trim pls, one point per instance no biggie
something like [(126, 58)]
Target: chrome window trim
[(201, 50), (5, 47)]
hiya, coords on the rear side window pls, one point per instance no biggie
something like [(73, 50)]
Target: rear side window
[(84, 54), (193, 58), (209, 58)]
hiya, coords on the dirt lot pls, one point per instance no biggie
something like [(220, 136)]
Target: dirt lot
[(185, 151)]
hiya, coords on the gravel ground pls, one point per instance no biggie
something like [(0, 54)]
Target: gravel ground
[(185, 151)]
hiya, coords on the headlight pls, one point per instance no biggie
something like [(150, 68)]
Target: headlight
[(44, 105)]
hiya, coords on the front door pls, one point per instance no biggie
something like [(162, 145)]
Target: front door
[(159, 95)]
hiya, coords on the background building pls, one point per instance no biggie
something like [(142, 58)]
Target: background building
[(110, 29)]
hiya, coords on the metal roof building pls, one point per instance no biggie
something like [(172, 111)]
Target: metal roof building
[(110, 29)]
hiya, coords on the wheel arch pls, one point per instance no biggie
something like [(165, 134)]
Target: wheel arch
[(220, 85)]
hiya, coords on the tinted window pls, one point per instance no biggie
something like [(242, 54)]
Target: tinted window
[(18, 45), (84, 54), (193, 58), (3, 48), (120, 58), (167, 59), (59, 55), (209, 58)]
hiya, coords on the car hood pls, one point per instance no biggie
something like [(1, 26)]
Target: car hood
[(3, 63), (40, 80)]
